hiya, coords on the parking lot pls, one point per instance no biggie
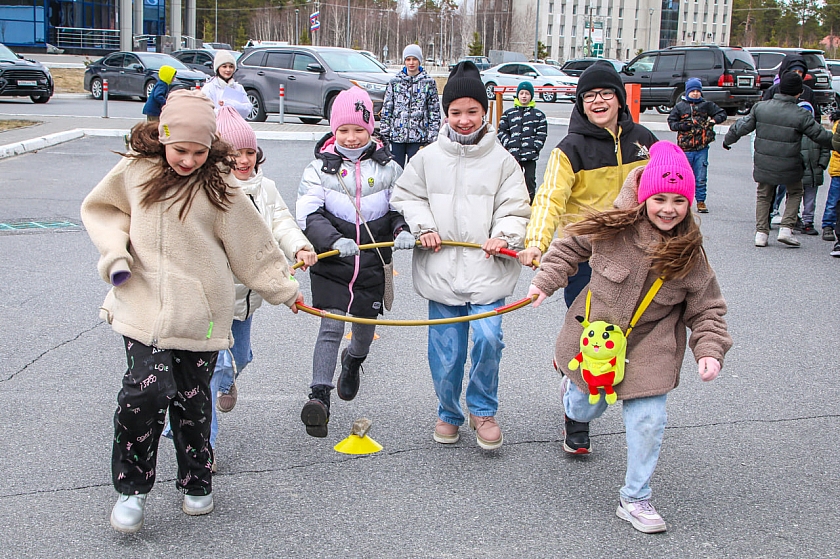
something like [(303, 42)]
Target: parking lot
[(748, 466)]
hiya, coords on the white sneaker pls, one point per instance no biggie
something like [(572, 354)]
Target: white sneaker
[(127, 516), (786, 237), (761, 239), (641, 515), (196, 505)]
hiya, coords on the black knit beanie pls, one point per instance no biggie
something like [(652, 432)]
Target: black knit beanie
[(790, 84), (599, 75), (464, 81)]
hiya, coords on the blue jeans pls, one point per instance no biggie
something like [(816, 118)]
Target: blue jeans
[(644, 424), (448, 356), (699, 161), (830, 214), (223, 375), (402, 153), (228, 366)]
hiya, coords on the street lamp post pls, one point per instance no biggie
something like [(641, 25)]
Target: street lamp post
[(347, 39), (650, 28), (216, 25), (297, 27), (537, 34)]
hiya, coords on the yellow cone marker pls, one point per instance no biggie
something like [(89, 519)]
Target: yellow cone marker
[(358, 442)]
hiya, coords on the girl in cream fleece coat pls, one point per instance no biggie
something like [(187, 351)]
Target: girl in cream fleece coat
[(171, 230)]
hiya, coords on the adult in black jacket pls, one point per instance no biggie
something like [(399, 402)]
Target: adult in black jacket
[(779, 125), (794, 63)]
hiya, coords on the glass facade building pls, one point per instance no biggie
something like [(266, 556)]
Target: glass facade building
[(33, 23)]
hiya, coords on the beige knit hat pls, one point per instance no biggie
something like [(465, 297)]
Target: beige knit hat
[(187, 116), (223, 57)]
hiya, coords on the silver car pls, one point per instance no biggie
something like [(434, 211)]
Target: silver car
[(311, 77)]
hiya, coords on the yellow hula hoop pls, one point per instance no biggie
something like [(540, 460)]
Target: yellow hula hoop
[(428, 322)]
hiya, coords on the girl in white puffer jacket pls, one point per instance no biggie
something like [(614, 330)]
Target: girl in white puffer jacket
[(223, 90)]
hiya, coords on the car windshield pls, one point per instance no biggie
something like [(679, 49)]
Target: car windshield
[(155, 61), (7, 55), (350, 61), (547, 70), (739, 59)]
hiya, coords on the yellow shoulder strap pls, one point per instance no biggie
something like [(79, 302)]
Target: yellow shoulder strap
[(644, 305), (588, 297)]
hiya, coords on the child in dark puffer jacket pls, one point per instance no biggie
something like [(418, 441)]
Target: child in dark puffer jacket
[(522, 131), (694, 119)]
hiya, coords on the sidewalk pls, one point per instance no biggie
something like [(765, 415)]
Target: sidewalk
[(55, 130)]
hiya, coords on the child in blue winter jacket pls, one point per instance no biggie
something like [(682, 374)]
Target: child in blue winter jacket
[(156, 101), (522, 131)]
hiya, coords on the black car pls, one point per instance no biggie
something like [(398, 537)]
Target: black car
[(578, 65), (818, 78), (200, 60), (728, 75), (26, 78), (135, 74)]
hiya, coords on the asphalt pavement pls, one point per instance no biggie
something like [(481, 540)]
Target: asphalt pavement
[(749, 467)]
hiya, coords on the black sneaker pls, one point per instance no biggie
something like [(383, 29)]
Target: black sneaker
[(828, 234), (575, 433), (835, 252), (316, 412), (808, 229), (348, 380), (576, 436)]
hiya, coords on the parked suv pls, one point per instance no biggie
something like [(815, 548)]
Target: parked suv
[(768, 60), (24, 77), (728, 75), (834, 68), (311, 76), (578, 65)]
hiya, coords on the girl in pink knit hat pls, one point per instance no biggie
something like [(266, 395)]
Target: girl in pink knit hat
[(343, 200), (650, 234)]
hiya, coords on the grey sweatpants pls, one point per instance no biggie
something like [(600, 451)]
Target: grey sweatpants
[(326, 347)]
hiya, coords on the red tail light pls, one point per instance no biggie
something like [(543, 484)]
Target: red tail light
[(726, 80), (757, 80)]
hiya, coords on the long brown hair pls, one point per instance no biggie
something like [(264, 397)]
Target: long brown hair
[(165, 185), (673, 257)]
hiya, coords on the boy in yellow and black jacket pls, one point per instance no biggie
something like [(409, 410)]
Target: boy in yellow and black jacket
[(587, 168)]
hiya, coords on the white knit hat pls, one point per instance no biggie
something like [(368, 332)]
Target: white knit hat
[(223, 57)]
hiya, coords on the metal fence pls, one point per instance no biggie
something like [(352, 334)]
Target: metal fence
[(76, 37)]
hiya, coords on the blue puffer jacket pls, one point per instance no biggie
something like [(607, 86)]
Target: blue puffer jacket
[(411, 109), (156, 101)]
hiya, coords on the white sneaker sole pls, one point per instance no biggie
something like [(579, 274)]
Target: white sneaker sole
[(446, 439), (124, 528), (644, 528), (198, 511)]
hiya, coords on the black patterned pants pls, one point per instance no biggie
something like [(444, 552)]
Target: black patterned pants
[(157, 380)]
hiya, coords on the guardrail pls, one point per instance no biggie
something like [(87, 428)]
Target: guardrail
[(77, 37)]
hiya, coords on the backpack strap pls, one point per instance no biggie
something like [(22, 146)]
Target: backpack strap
[(643, 305)]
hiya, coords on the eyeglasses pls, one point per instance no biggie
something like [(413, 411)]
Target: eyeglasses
[(606, 95)]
